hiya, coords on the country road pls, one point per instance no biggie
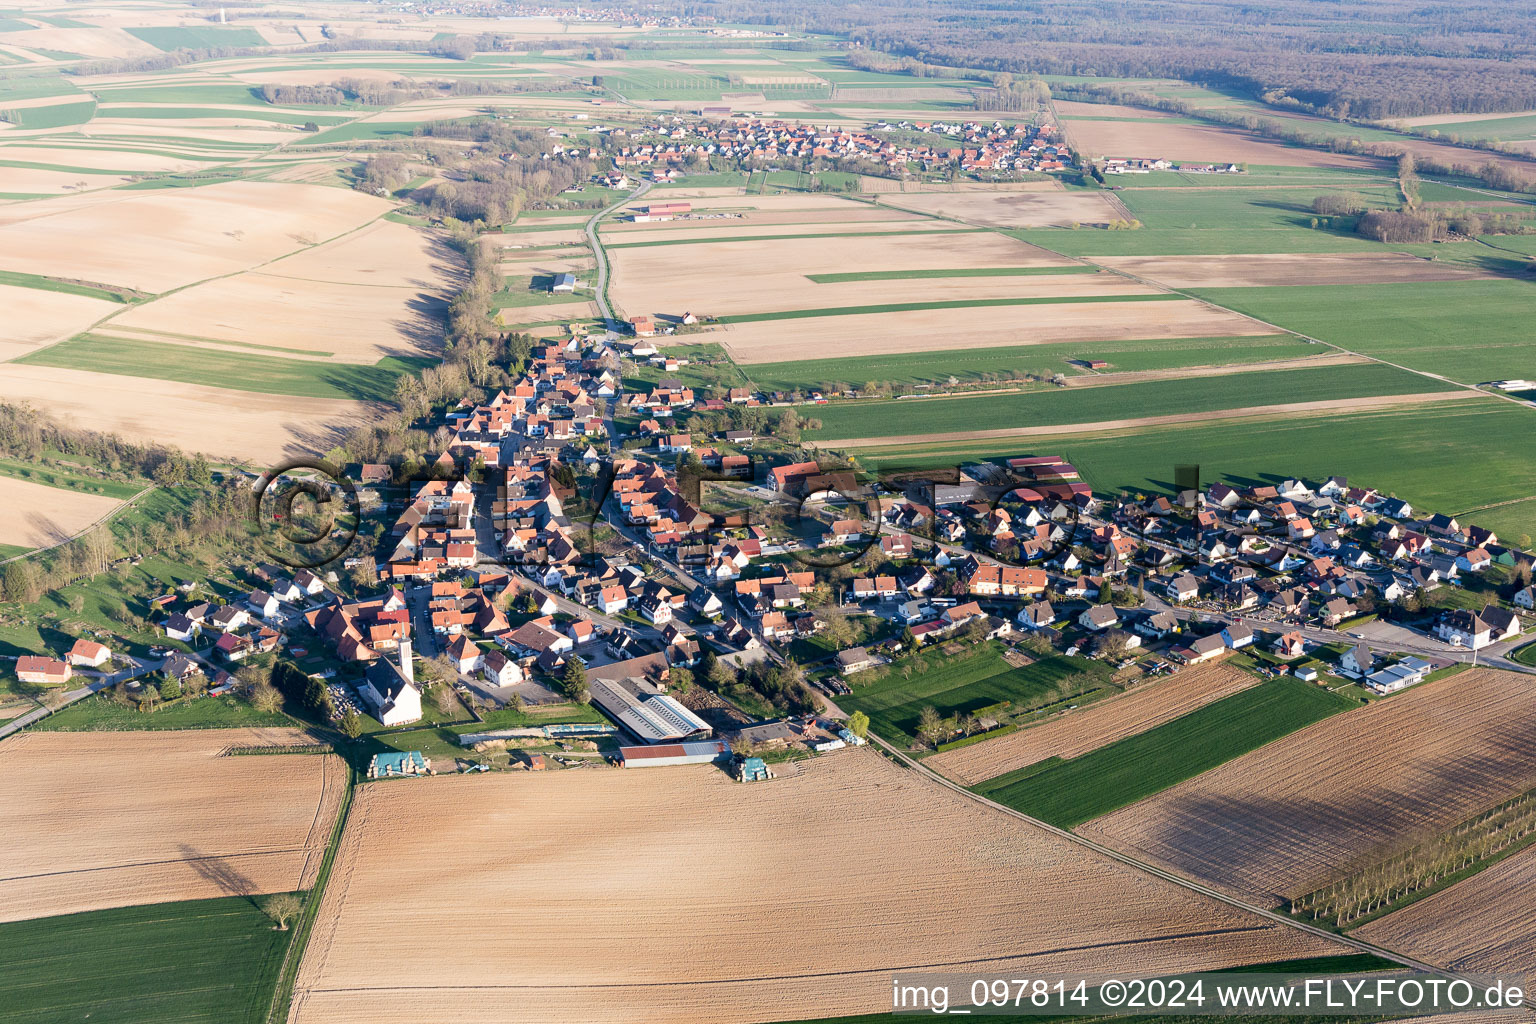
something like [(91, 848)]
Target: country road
[(601, 285)]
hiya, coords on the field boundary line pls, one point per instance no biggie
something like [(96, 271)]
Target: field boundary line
[(293, 958)]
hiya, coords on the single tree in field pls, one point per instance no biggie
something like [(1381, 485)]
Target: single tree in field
[(282, 908), (352, 725), (858, 724)]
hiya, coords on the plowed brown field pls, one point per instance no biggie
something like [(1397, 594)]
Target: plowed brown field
[(550, 897), (1485, 924), (97, 820), (1077, 732), (1283, 818)]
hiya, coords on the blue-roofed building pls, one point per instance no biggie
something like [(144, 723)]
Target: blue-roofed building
[(391, 763), (564, 283)]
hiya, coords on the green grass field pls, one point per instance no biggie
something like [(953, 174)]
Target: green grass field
[(1451, 456), (49, 284), (197, 37), (909, 307), (59, 115), (268, 375), (910, 368), (1236, 391), (959, 685), (50, 476), (26, 86), (517, 292), (1075, 791), (1461, 329), (1217, 221), (197, 962), (101, 714), (253, 114)]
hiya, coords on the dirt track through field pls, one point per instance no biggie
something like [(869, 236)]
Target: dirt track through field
[(1285, 818), (1288, 269), (1075, 733), (1248, 412), (109, 819), (1324, 357), (786, 899)]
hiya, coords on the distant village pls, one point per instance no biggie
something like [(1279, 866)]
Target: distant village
[(674, 142)]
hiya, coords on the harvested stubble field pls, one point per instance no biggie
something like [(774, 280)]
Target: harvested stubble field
[(243, 425), (345, 322), (723, 278), (113, 819), (34, 515), (1055, 208), (1288, 269), (1485, 924), (153, 241), (933, 879), (36, 316), (1077, 732), (985, 327), (1199, 143), (1281, 820), (649, 234)]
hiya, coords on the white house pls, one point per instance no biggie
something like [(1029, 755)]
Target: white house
[(179, 627), (1183, 588), (1236, 635), (1098, 616), (613, 600), (286, 590), (89, 654), (1357, 662), (1475, 560), (466, 654), (500, 670), (262, 603), (1526, 598), (1461, 628)]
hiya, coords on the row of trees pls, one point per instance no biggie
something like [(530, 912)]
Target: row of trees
[(26, 433), (1372, 885)]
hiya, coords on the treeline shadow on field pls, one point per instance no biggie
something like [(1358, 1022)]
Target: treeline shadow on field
[(230, 880)]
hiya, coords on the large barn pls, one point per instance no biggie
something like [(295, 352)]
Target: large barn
[(643, 710)]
